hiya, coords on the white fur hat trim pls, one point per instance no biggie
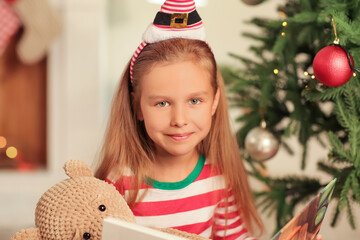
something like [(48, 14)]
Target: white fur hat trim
[(154, 34)]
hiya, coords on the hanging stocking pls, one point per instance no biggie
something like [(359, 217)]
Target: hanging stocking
[(9, 24), (41, 26)]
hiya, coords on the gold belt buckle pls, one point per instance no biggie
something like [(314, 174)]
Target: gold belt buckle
[(179, 20)]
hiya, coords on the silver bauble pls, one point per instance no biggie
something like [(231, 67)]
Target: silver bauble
[(261, 144)]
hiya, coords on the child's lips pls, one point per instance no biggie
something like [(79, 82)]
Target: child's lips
[(180, 137)]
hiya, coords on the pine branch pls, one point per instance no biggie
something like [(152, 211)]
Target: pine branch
[(343, 200), (357, 164), (287, 147), (338, 147), (355, 184), (303, 17), (335, 217), (331, 170), (303, 160), (354, 140), (268, 205), (342, 114), (307, 4), (320, 141), (351, 101), (347, 29), (279, 45), (327, 94), (255, 37), (350, 215)]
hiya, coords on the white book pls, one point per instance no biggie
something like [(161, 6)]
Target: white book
[(116, 229)]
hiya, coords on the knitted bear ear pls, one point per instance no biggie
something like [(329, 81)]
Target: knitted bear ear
[(27, 234), (77, 168)]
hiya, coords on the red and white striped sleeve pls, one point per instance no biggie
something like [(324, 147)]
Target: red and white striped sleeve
[(232, 228)]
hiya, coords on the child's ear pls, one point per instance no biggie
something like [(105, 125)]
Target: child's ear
[(139, 115), (215, 102)]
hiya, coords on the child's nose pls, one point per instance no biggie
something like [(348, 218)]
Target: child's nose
[(179, 116)]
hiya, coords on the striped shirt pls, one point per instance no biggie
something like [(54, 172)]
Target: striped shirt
[(195, 205)]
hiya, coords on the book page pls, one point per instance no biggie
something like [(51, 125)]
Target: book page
[(116, 229)]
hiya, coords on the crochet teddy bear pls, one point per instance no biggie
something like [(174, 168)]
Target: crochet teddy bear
[(74, 208)]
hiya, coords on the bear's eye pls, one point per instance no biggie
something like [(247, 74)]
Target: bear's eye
[(86, 235), (102, 208)]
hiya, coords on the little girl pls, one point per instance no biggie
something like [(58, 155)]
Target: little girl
[(169, 149)]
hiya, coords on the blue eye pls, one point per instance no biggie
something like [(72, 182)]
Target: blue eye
[(162, 104), (194, 101)]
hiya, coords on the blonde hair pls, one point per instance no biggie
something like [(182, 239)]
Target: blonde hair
[(127, 145)]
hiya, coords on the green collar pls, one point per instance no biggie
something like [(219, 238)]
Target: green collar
[(181, 184)]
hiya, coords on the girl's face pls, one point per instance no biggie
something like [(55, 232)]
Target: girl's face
[(177, 102)]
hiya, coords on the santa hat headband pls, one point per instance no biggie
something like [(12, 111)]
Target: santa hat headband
[(176, 19)]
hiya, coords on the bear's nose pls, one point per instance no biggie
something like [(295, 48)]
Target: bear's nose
[(86, 235)]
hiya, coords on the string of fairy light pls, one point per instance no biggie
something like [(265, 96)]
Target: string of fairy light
[(11, 152), (276, 71), (311, 76)]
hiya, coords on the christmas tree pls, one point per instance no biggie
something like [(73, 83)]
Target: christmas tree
[(302, 82)]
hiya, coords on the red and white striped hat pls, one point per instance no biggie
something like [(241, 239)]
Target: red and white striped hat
[(176, 19)]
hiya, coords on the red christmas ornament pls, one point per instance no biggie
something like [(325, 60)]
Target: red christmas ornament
[(331, 66)]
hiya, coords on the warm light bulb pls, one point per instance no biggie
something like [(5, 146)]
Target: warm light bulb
[(354, 74), (306, 73), (276, 71), (283, 34), (2, 142), (11, 152), (312, 76), (282, 14), (284, 24)]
